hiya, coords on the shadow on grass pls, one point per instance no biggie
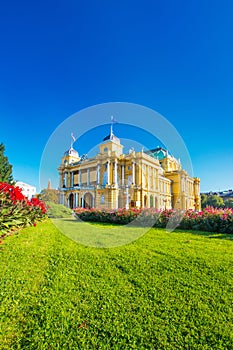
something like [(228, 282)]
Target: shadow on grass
[(93, 223), (216, 235), (95, 234)]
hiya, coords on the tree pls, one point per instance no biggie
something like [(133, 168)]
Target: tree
[(229, 203), (5, 167), (215, 201), (204, 199), (212, 201), (49, 195)]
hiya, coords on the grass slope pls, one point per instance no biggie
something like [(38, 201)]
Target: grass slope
[(164, 291)]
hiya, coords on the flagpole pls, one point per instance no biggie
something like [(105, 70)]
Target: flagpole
[(73, 139), (113, 121), (111, 127)]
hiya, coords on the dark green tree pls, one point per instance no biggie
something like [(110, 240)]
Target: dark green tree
[(5, 167), (212, 200), (215, 201), (204, 199), (229, 203)]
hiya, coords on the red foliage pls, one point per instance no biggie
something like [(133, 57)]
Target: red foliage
[(38, 203), (16, 210), (14, 193)]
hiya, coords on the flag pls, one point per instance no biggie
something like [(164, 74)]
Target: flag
[(73, 137), (113, 120)]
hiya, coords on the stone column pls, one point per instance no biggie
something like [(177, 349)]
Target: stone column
[(123, 174), (153, 178), (157, 179), (127, 197), (108, 172), (133, 172), (66, 179), (115, 173), (80, 177), (98, 174), (88, 177), (148, 177), (60, 180), (76, 200), (62, 201)]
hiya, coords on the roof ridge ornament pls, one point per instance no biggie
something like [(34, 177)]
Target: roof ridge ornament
[(113, 121), (73, 139)]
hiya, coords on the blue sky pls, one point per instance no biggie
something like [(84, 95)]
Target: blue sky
[(175, 57)]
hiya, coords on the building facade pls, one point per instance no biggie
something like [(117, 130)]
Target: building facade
[(27, 190), (112, 179)]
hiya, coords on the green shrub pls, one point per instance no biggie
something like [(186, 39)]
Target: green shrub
[(58, 211)]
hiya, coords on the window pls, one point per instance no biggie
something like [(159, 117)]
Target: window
[(105, 149), (102, 199)]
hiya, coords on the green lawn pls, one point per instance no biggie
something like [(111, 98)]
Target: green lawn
[(163, 291)]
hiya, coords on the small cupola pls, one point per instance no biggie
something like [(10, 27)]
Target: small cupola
[(71, 155), (111, 143)]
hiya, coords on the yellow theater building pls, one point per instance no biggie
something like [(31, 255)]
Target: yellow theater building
[(113, 179)]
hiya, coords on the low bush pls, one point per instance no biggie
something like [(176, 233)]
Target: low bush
[(58, 210), (16, 211), (117, 216), (210, 219)]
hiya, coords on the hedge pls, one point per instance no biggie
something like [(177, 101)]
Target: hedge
[(209, 219)]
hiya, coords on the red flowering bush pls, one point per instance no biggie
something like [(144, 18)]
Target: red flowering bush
[(12, 192), (16, 211), (210, 219), (117, 216)]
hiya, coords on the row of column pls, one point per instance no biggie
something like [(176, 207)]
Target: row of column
[(65, 179), (115, 179), (151, 177), (75, 201)]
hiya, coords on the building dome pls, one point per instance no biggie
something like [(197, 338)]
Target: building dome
[(71, 152), (112, 137)]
